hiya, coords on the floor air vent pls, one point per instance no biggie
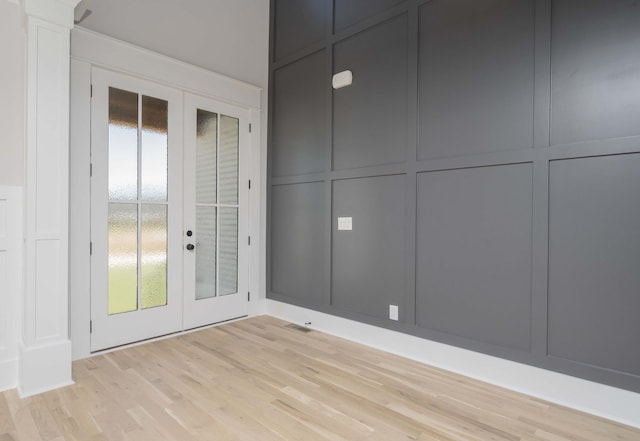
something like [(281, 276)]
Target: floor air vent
[(298, 327)]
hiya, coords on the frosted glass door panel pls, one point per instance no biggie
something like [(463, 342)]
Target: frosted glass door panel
[(206, 157), (138, 172), (153, 256), (206, 252), (228, 169), (123, 145), (154, 145), (123, 258), (228, 258)]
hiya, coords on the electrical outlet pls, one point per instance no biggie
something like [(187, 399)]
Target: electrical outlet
[(345, 223), (393, 312)]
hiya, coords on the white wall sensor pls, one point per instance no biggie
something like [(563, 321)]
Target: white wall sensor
[(342, 79)]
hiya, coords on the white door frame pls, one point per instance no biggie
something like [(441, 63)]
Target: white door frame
[(90, 49)]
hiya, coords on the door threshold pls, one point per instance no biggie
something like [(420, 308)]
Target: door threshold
[(164, 337)]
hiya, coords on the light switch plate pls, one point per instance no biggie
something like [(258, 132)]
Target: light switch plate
[(345, 223), (393, 312)]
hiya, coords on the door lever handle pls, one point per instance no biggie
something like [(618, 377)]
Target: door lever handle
[(190, 246)]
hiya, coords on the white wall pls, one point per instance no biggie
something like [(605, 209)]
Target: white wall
[(10, 283), (12, 129), (12, 94)]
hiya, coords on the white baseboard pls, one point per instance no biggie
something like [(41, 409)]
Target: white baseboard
[(8, 374), (43, 368), (594, 398)]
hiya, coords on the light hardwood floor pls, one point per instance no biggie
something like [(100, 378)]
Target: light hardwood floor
[(260, 380)]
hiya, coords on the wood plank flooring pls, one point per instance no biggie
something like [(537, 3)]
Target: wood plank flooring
[(261, 380)]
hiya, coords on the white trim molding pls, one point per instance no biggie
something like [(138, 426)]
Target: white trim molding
[(594, 398), (44, 367), (109, 53), (10, 283), (45, 354), (59, 12)]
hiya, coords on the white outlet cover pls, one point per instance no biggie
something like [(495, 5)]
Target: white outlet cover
[(393, 312), (345, 224)]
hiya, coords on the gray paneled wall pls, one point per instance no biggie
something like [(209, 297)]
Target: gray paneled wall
[(488, 155), (370, 116), (297, 252), (475, 76), (594, 261), (474, 253), (368, 261), (300, 132)]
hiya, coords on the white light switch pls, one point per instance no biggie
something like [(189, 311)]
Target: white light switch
[(393, 312), (345, 223)]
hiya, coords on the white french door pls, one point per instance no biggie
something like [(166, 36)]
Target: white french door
[(215, 211), (167, 210)]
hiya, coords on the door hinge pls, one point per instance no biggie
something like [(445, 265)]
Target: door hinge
[(249, 240), (91, 91), (249, 127), (249, 184), (90, 248), (90, 170), (249, 296), (90, 326)]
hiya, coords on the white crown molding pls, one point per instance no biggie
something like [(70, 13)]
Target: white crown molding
[(110, 53), (59, 12)]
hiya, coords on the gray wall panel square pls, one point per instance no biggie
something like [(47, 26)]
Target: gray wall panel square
[(594, 261), (299, 117), (298, 24), (297, 241), (368, 263), (475, 77), (348, 12), (473, 249), (370, 116), (595, 70)]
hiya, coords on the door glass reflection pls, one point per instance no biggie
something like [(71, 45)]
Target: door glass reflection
[(123, 145), (206, 252), (154, 145), (228, 239), (138, 173), (153, 258), (123, 258)]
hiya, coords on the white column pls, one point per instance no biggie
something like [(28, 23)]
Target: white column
[(45, 349)]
